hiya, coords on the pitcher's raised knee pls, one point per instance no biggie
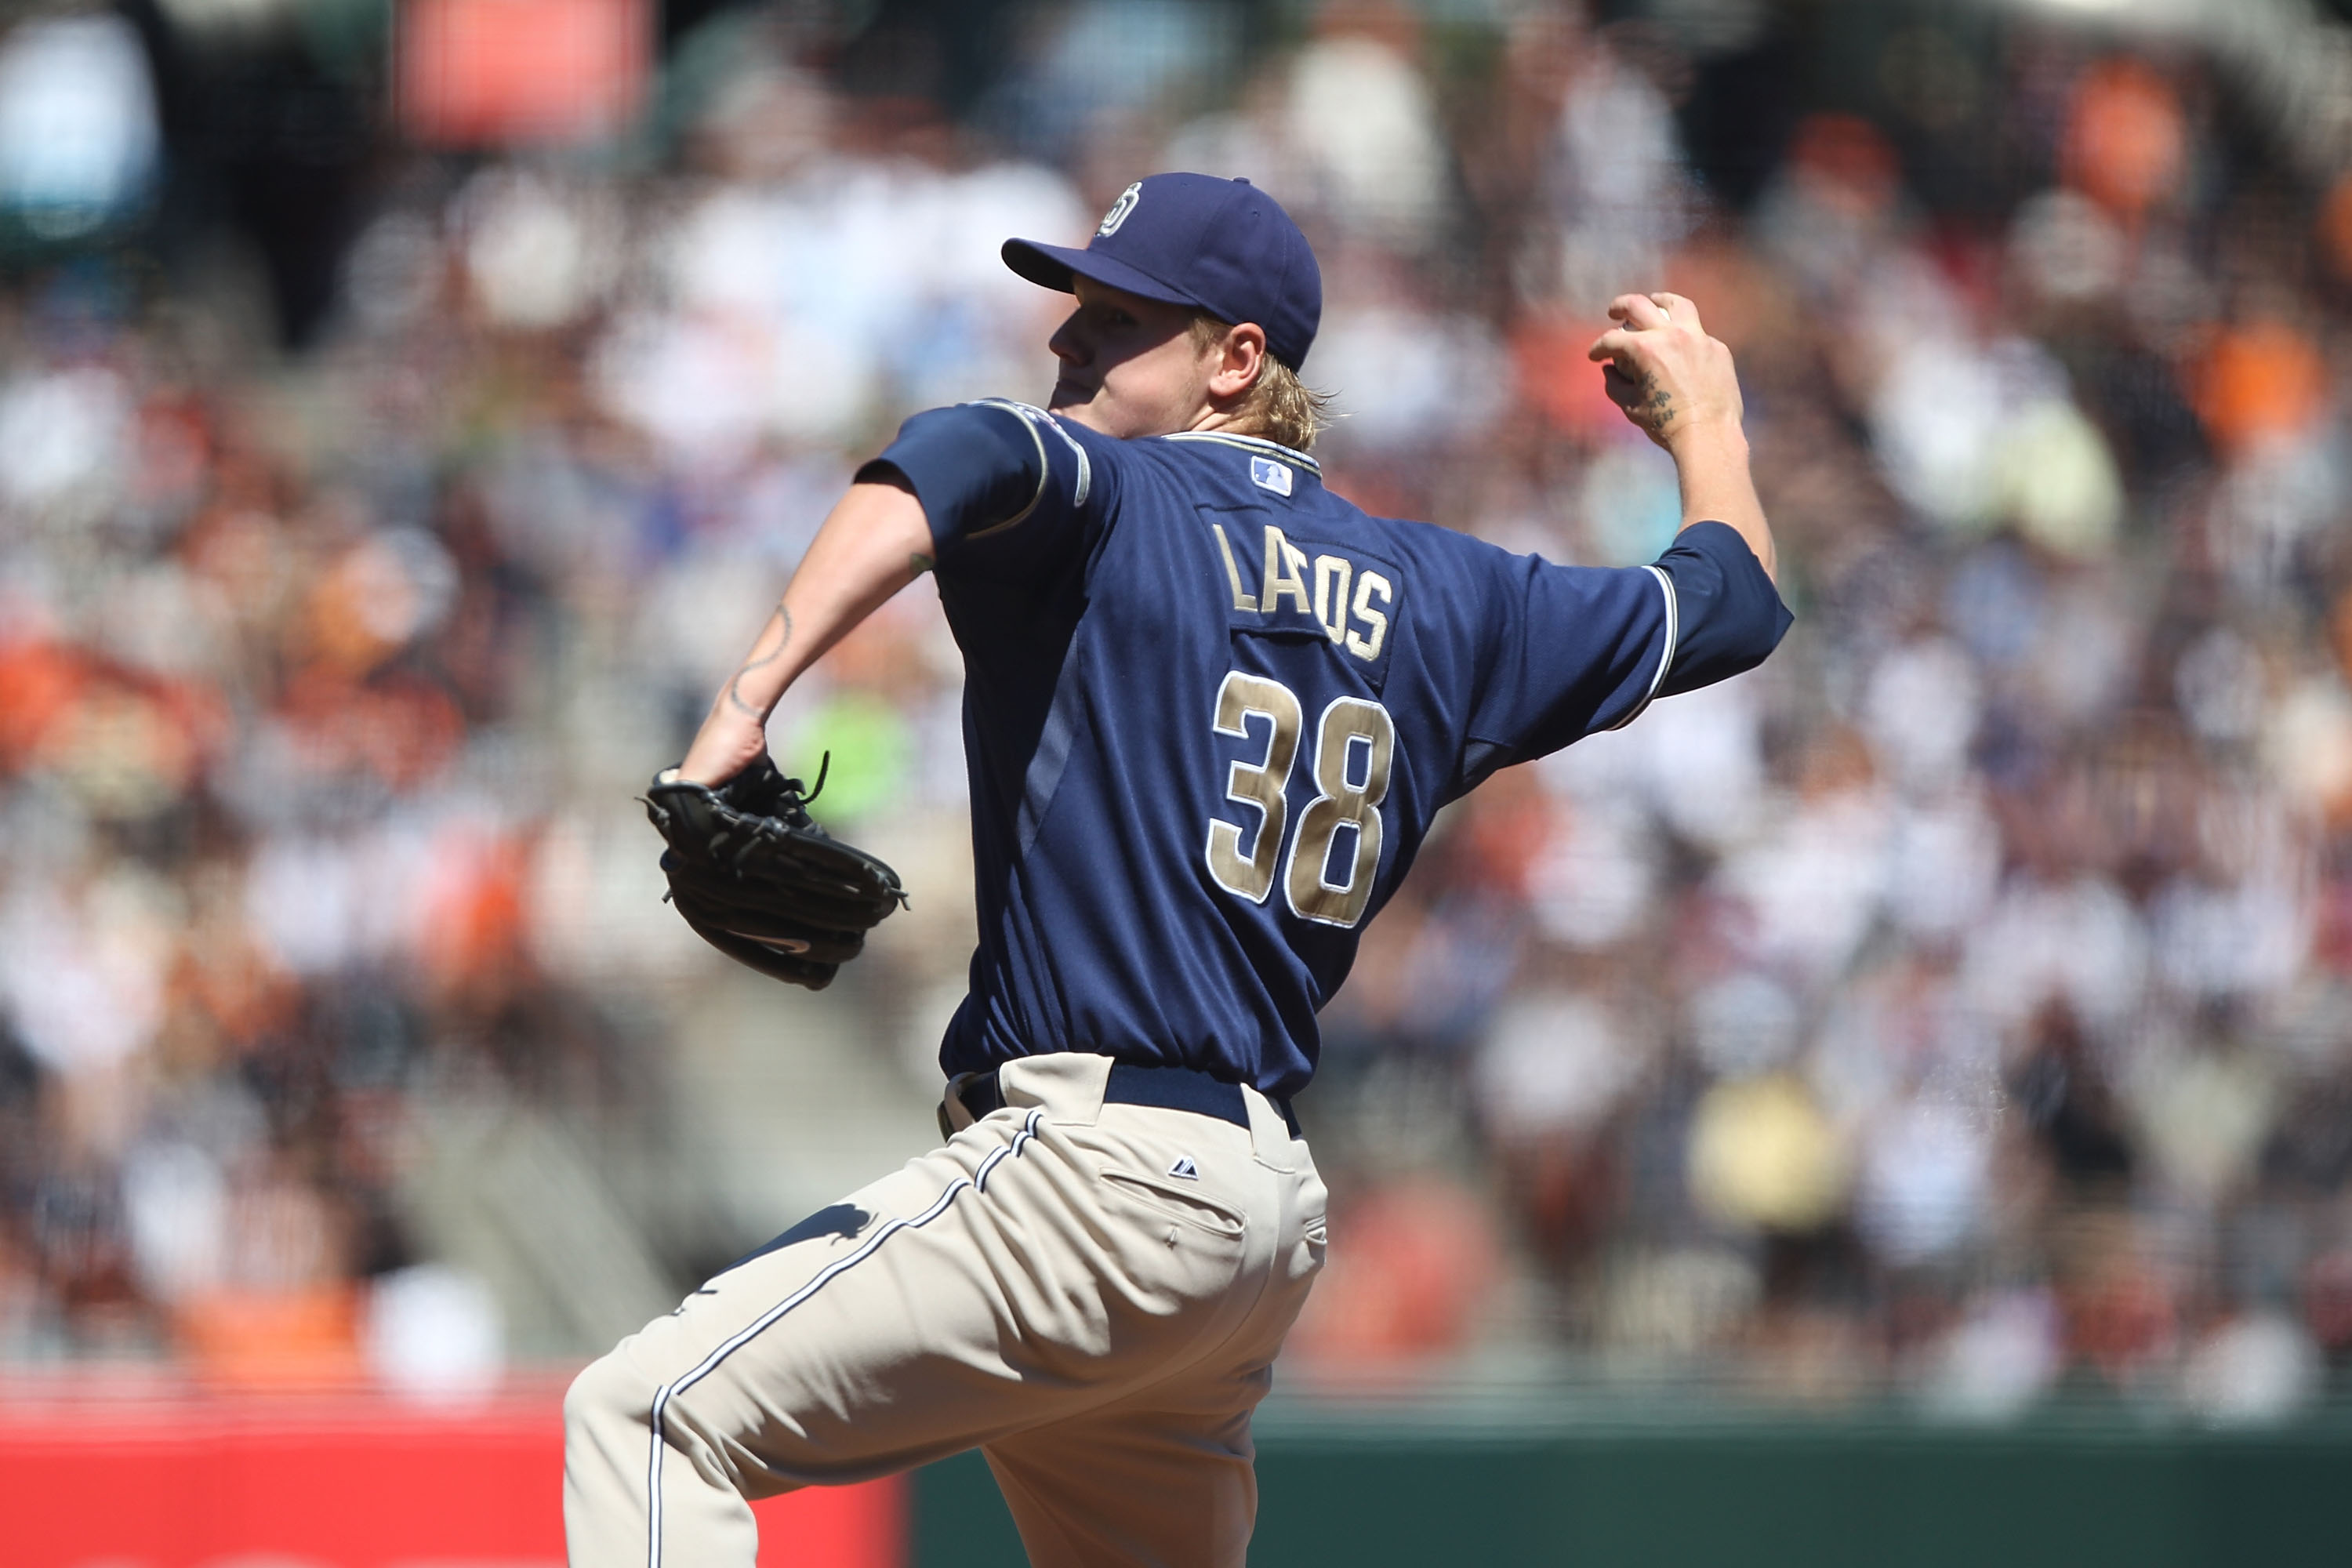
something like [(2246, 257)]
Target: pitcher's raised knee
[(608, 1390)]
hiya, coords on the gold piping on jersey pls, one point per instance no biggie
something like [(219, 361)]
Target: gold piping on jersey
[(1030, 416), (1044, 476), (1251, 444)]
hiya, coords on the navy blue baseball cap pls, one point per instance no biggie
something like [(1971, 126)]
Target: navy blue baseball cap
[(1222, 246)]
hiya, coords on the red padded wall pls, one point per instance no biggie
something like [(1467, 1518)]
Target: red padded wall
[(339, 1482)]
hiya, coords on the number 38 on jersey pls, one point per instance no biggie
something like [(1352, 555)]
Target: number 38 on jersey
[(1333, 857)]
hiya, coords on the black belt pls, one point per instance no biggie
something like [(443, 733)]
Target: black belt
[(1132, 1083)]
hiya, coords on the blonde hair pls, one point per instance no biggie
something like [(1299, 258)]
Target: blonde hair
[(1280, 406)]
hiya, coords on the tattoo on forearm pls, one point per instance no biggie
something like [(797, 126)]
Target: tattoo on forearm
[(920, 563), (734, 685)]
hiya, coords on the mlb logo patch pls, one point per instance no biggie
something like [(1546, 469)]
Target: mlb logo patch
[(1269, 475)]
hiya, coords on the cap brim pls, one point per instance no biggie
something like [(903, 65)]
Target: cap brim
[(1053, 266)]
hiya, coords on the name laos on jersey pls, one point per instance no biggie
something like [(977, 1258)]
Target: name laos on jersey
[(1338, 595)]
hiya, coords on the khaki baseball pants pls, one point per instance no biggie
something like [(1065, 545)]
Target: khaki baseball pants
[(1091, 1293)]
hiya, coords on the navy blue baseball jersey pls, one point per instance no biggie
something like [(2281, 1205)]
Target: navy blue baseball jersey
[(1210, 710)]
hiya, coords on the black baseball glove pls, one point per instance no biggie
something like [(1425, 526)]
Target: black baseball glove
[(760, 881)]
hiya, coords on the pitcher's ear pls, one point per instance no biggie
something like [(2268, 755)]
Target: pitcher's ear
[(1242, 363)]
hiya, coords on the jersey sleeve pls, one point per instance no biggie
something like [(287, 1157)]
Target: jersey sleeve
[(1582, 649), (1728, 615), (1573, 650), (1006, 488)]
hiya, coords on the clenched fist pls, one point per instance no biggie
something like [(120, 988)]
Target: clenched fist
[(1660, 366)]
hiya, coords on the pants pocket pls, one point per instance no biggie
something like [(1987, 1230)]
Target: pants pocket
[(1168, 1201)]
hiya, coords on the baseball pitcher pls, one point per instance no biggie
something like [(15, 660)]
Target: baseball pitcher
[(1210, 710)]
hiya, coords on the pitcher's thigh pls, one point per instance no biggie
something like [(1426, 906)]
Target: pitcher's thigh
[(1132, 1486), (870, 1338)]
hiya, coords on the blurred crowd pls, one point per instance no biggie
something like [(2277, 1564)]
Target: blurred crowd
[(1956, 1008)]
